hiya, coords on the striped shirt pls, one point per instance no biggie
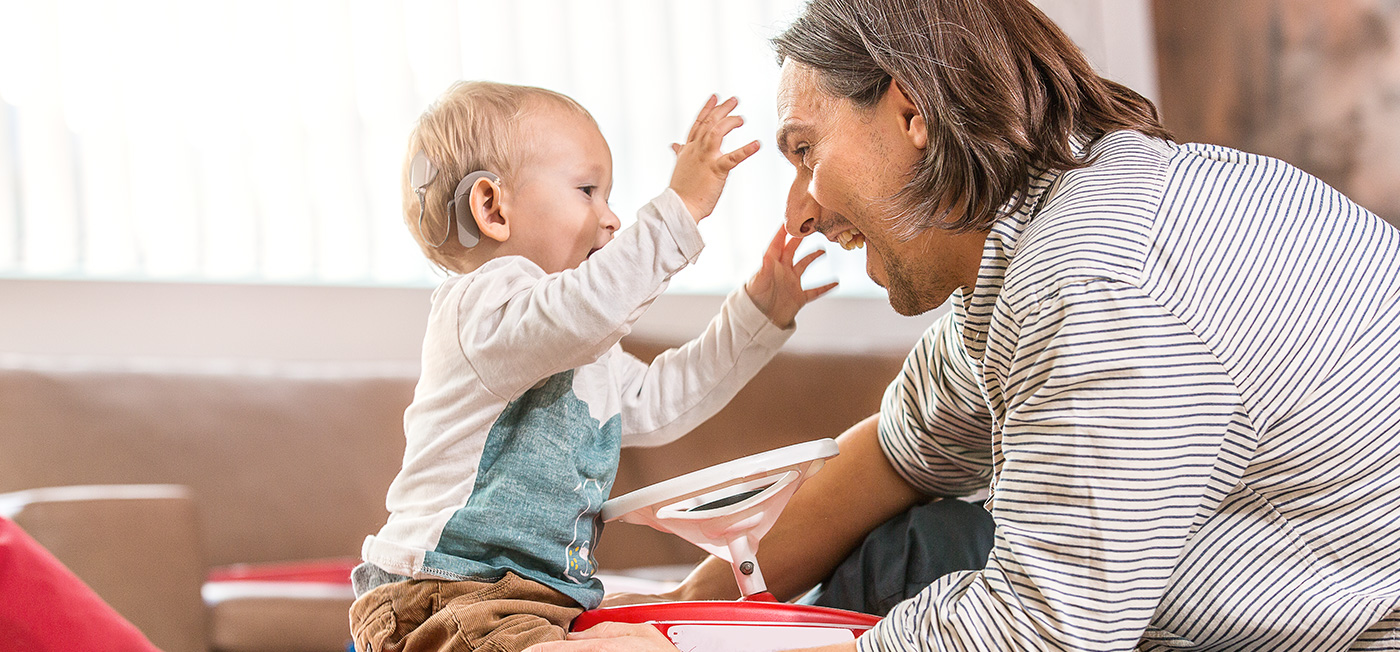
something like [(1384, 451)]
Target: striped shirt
[(1179, 373)]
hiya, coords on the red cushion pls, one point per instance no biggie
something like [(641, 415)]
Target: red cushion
[(44, 606), (332, 571)]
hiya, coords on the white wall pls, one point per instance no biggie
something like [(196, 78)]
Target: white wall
[(1116, 36), (296, 323)]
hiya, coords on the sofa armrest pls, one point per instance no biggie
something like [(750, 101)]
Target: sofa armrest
[(137, 546), (44, 607)]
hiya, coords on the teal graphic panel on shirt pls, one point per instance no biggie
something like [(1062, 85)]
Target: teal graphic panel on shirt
[(547, 467)]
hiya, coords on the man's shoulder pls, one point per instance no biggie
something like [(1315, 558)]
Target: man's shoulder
[(1097, 221), (1117, 194)]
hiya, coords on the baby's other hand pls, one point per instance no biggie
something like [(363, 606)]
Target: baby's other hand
[(701, 168), (777, 287)]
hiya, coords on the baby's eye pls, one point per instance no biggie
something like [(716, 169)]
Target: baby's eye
[(588, 190)]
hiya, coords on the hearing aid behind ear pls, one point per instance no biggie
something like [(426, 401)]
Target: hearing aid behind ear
[(468, 233), (422, 172)]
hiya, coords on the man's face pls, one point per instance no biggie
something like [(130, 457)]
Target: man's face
[(850, 163)]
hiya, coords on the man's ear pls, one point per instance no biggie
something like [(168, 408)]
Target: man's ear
[(486, 210), (911, 119)]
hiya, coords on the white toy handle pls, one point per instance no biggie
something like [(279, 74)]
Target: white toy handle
[(727, 508)]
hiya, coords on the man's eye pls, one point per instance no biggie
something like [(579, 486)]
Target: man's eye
[(800, 152)]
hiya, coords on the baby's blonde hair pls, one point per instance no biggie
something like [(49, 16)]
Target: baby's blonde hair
[(473, 126)]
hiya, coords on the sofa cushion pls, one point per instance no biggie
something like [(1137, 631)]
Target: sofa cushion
[(280, 624), (285, 460), (137, 546), (292, 461), (285, 607)]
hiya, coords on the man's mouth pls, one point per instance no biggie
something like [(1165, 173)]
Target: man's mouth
[(851, 239)]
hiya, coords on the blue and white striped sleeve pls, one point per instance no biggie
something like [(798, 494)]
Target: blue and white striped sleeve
[(1122, 433), (934, 424)]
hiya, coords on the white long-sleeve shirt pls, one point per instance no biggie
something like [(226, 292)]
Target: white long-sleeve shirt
[(525, 398), (1179, 373)]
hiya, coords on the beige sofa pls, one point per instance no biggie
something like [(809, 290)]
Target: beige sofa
[(143, 475)]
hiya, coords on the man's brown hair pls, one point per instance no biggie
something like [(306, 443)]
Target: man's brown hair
[(1003, 91)]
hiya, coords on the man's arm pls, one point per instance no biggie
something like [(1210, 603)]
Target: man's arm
[(828, 516), (1122, 434)]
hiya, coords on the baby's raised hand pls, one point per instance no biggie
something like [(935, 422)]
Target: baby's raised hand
[(700, 167), (777, 287)]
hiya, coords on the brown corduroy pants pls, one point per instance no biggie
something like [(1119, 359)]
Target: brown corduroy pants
[(507, 615)]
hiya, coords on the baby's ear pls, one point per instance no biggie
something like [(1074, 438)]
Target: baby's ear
[(485, 201)]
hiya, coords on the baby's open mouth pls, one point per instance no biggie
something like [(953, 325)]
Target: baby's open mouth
[(592, 251), (851, 239)]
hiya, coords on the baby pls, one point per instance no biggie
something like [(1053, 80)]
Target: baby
[(525, 397)]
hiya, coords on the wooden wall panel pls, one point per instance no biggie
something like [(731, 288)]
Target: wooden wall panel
[(1314, 83)]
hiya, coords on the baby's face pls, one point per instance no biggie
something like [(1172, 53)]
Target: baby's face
[(558, 202)]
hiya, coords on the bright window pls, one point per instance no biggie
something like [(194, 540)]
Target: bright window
[(260, 140)]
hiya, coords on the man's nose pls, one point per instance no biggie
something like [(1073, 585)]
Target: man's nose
[(802, 210)]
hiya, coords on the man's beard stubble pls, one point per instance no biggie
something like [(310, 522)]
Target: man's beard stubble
[(904, 295)]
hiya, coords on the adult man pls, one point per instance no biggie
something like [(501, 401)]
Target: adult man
[(1174, 365)]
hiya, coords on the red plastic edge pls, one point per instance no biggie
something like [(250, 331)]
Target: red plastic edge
[(334, 571), (724, 611)]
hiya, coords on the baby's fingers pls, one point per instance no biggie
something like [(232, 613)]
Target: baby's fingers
[(776, 245), (700, 117), (820, 290), (728, 161), (790, 250), (801, 267), (712, 114), (716, 133)]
